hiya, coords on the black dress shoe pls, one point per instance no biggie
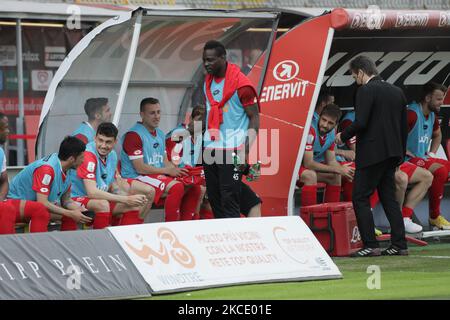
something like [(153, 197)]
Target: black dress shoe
[(394, 251), (366, 252)]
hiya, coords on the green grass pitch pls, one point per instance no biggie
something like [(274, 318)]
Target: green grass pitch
[(424, 274)]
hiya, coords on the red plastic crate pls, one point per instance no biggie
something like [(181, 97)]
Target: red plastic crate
[(334, 225)]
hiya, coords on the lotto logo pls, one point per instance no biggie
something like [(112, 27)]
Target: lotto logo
[(44, 189), (137, 152), (90, 175)]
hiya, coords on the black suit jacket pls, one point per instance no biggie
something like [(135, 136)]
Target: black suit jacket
[(380, 124)]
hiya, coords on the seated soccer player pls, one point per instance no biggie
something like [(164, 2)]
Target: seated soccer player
[(143, 157), (183, 149), (7, 212), (409, 174), (319, 160), (42, 189), (94, 181), (424, 138), (98, 111)]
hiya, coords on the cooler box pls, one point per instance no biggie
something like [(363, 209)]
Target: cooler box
[(334, 225)]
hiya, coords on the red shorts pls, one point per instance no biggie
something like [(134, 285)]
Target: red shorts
[(83, 201), (427, 163), (196, 176), (408, 168), (28, 208), (157, 181)]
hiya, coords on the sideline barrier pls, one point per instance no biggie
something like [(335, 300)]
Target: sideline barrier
[(44, 266), (180, 256)]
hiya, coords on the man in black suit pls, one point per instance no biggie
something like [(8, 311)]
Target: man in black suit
[(381, 133)]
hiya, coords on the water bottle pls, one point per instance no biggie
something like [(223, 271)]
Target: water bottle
[(253, 172), (236, 161)]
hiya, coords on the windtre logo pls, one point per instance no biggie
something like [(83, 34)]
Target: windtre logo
[(170, 248)]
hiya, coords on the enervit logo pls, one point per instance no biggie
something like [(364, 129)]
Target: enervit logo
[(170, 248), (286, 70)]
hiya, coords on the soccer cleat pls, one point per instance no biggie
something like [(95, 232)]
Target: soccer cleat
[(394, 251), (378, 232), (440, 222), (366, 252), (411, 227)]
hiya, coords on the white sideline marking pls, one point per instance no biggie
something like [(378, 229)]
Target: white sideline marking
[(432, 257)]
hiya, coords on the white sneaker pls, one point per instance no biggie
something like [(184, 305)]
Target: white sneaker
[(411, 227)]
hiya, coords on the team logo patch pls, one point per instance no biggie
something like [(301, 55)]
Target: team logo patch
[(90, 175), (91, 166), (137, 152), (156, 145), (46, 180), (421, 163), (44, 189)]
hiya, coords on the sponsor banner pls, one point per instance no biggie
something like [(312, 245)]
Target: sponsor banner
[(31, 57), (408, 60), (373, 18), (32, 105), (197, 254), (66, 265), (286, 101), (41, 79), (54, 56), (11, 80), (8, 56)]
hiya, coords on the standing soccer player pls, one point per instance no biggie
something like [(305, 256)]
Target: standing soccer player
[(232, 125)]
